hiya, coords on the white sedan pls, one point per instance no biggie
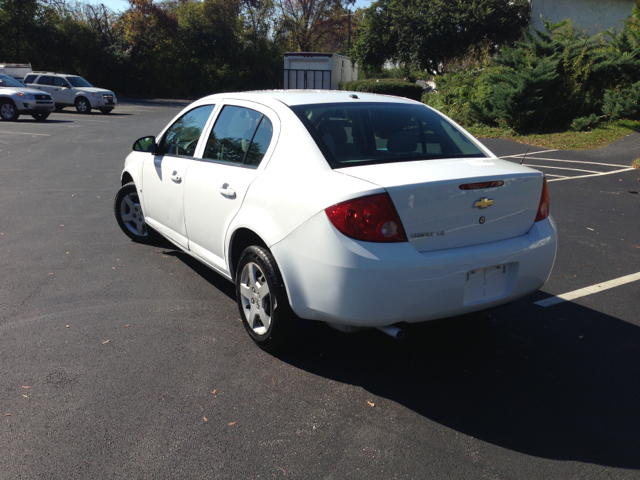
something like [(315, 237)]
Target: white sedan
[(353, 209)]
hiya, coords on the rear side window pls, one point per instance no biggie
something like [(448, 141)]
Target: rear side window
[(368, 133), (45, 80), (182, 137), (240, 136), (59, 82)]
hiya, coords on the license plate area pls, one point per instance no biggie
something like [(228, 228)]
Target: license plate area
[(490, 283)]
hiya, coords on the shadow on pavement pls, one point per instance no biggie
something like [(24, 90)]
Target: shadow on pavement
[(560, 383)]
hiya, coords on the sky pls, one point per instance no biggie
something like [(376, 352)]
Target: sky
[(121, 5)]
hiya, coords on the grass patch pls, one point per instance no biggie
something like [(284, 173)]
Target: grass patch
[(636, 163), (605, 134)]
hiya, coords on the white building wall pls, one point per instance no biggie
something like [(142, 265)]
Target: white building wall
[(592, 15)]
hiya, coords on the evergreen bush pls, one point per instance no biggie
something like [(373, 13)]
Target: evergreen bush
[(583, 124)]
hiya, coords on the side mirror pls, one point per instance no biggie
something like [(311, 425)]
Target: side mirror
[(145, 144)]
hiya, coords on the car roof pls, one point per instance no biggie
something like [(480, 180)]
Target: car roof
[(311, 97)]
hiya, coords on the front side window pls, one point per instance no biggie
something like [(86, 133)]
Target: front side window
[(59, 82), (369, 133), (30, 78), (240, 136), (45, 80), (79, 82), (182, 137)]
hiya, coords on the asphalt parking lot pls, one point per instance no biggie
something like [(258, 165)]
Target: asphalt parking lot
[(120, 360)]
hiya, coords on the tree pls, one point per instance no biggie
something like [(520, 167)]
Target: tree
[(425, 34), (312, 25)]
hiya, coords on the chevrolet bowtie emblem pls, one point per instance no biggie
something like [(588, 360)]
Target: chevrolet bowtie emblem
[(483, 203)]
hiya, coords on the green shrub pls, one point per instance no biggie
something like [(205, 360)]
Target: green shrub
[(583, 124), (624, 104), (389, 86)]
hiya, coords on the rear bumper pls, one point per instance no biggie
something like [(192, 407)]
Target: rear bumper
[(332, 278)]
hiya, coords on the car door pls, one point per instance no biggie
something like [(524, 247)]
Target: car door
[(163, 174), (216, 185), (63, 94), (45, 83)]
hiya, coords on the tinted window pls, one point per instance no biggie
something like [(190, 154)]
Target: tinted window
[(182, 137), (59, 82), (240, 136), (30, 78), (45, 80), (369, 133), (78, 82), (260, 142)]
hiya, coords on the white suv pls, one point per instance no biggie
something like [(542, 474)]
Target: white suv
[(72, 91), (16, 99)]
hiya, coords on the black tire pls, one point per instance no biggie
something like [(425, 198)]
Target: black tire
[(273, 324), (82, 105), (106, 110), (8, 111), (129, 215), (41, 117)]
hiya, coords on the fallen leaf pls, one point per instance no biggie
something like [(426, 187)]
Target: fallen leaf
[(590, 229), (106, 341), (371, 403), (25, 396), (9, 415), (205, 419), (214, 392), (233, 423), (597, 285), (127, 326), (25, 386)]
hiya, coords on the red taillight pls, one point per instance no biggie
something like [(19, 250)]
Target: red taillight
[(543, 209), (372, 218)]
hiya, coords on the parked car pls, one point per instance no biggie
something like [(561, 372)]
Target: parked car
[(353, 209), (72, 91), (16, 99)]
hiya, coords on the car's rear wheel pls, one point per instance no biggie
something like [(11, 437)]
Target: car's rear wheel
[(106, 110), (129, 215), (262, 299), (41, 117), (83, 105), (8, 111)]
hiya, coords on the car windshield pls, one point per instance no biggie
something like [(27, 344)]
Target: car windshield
[(78, 82), (370, 133), (7, 81)]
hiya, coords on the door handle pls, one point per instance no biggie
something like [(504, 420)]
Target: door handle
[(175, 177), (227, 191)]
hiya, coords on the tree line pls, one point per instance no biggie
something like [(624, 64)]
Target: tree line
[(176, 48), (188, 48)]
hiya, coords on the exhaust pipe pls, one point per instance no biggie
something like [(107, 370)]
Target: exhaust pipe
[(392, 331)]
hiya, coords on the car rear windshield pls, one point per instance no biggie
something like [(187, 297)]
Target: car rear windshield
[(369, 133), (78, 82)]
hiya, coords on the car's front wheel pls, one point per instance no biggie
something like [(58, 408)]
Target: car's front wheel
[(83, 105), (41, 117), (8, 111), (129, 215), (262, 299)]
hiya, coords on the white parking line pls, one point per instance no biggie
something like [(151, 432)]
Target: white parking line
[(528, 154), (577, 161), (583, 292), (25, 133), (594, 175), (561, 168)]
